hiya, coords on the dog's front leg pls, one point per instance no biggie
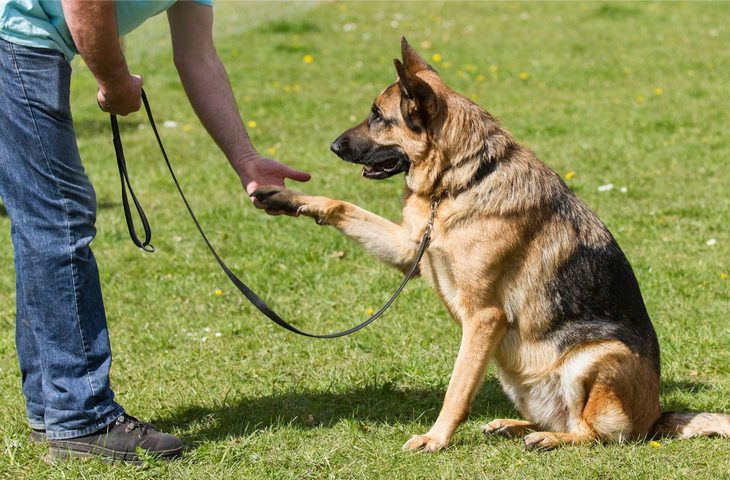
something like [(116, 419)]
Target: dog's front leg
[(480, 334), (387, 241)]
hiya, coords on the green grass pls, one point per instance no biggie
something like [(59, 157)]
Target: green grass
[(258, 402)]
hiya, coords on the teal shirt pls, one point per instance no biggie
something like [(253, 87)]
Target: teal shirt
[(40, 23)]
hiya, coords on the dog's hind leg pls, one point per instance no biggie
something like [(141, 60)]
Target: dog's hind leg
[(508, 427), (480, 334), (621, 402), (549, 440)]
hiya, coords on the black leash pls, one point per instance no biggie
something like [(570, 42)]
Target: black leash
[(247, 292)]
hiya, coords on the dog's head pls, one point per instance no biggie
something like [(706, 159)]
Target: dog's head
[(399, 133)]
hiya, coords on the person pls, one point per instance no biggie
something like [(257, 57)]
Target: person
[(61, 330)]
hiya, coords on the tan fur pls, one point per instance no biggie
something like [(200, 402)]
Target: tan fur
[(498, 241)]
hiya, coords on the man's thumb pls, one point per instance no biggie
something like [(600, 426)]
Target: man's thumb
[(297, 175)]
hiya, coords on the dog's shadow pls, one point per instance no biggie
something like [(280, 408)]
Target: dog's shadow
[(369, 406)]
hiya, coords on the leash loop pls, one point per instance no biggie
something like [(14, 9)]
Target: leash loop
[(127, 185), (250, 295)]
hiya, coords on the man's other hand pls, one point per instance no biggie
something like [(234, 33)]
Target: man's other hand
[(121, 97)]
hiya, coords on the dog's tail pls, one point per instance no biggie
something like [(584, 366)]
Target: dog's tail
[(686, 425)]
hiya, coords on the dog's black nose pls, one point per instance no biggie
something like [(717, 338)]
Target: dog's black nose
[(339, 146)]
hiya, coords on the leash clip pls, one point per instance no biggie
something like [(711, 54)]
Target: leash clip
[(429, 225), (434, 206)]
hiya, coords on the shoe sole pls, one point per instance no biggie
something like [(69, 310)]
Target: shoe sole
[(60, 454)]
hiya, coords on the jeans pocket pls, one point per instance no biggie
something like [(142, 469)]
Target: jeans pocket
[(46, 77)]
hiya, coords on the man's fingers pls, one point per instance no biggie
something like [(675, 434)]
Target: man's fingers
[(101, 101)]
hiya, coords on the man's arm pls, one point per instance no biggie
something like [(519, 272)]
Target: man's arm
[(206, 84), (93, 26)]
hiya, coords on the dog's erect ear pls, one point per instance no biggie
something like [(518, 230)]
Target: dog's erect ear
[(419, 103), (413, 61)]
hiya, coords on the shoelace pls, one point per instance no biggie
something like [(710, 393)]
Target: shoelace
[(132, 423)]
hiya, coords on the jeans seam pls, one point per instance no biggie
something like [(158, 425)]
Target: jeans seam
[(25, 319), (68, 226)]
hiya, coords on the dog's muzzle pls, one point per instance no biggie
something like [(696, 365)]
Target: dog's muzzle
[(378, 162)]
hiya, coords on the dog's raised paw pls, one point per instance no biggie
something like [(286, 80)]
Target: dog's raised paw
[(277, 199), (423, 443)]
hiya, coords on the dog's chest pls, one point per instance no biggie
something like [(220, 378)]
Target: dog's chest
[(437, 266)]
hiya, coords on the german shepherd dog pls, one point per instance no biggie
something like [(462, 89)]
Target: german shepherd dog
[(534, 278)]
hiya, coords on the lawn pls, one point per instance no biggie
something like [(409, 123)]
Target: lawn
[(629, 94)]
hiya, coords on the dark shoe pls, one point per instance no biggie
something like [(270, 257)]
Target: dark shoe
[(118, 441), (37, 435)]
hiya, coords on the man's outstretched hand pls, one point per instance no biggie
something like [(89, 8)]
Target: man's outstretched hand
[(258, 171)]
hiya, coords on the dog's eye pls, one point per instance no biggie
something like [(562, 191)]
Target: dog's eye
[(375, 115)]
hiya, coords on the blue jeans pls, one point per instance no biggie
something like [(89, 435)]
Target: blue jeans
[(61, 333)]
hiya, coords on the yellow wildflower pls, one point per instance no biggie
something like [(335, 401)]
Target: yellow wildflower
[(436, 57), (371, 311), (640, 99), (493, 69), (271, 150), (723, 275), (569, 175), (523, 75), (187, 128), (655, 444), (251, 124), (447, 65), (481, 78), (308, 58), (658, 91), (218, 292)]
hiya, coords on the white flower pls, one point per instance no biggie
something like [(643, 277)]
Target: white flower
[(605, 188), (218, 334), (623, 190), (711, 242), (204, 339), (349, 27), (170, 124)]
